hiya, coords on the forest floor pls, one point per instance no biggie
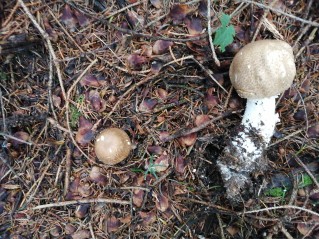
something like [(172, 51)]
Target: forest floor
[(72, 68)]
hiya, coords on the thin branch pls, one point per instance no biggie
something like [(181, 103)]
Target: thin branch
[(308, 171), (282, 12), (123, 9), (262, 20), (68, 163), (210, 33), (280, 207), (184, 132), (3, 113), (209, 74), (15, 138), (93, 200)]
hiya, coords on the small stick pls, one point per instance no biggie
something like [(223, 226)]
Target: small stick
[(92, 200), (209, 74), (3, 113), (308, 171), (50, 99), (208, 204), (123, 9), (210, 33), (184, 132), (220, 223), (315, 24), (280, 207), (15, 138), (262, 20), (67, 170)]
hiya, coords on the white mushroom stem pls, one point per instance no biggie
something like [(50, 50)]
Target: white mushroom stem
[(259, 119), (245, 152), (260, 114)]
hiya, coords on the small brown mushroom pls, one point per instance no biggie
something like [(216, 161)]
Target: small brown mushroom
[(112, 146)]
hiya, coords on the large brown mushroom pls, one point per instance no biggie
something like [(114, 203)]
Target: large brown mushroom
[(112, 146)]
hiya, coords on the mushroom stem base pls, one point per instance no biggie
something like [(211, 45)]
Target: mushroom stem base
[(245, 153)]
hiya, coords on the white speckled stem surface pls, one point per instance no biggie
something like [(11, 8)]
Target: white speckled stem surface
[(244, 153)]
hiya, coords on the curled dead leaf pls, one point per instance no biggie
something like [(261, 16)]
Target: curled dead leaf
[(156, 66), (147, 217), (81, 234), (211, 100), (161, 46), (157, 3), (161, 163), (19, 135), (300, 115), (163, 135), (56, 101), (147, 105), (138, 197), (134, 19), (155, 149), (67, 17), (180, 164), (161, 202), (97, 176), (188, 140), (178, 12), (112, 224), (313, 132), (136, 61), (85, 133), (82, 210), (201, 119), (161, 93), (69, 229), (82, 19), (90, 80), (51, 32), (85, 190), (98, 104), (194, 26)]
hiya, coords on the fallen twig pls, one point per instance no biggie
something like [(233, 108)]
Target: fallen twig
[(210, 33), (282, 12), (93, 200), (184, 132), (280, 207)]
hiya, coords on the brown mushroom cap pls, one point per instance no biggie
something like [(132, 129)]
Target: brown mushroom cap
[(263, 69), (112, 146)]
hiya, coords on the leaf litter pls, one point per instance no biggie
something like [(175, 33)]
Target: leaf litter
[(146, 76)]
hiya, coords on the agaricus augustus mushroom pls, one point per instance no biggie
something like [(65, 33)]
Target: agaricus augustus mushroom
[(112, 146), (260, 71)]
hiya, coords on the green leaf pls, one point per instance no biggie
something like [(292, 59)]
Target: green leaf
[(224, 34), (225, 19), (276, 192)]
